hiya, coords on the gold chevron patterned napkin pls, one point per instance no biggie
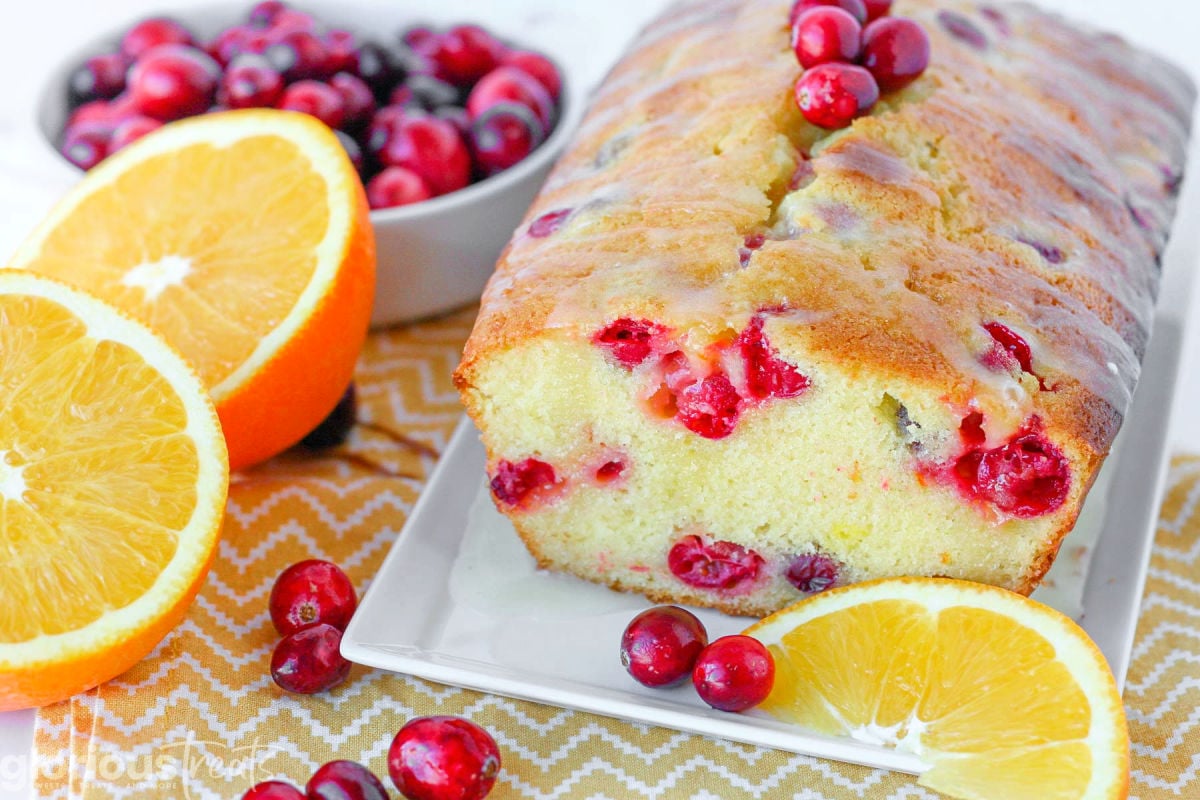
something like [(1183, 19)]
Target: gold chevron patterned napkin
[(201, 718)]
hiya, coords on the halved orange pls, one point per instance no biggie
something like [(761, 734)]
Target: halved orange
[(243, 238), (113, 478), (1003, 697)]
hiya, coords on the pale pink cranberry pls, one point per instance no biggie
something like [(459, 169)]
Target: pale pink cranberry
[(308, 661), (1052, 254), (310, 593), (856, 8), (291, 20), (433, 149), (713, 565), (831, 96), (316, 99), (150, 33), (357, 99), (997, 19), (549, 223), (443, 758), (515, 483), (895, 51), (812, 573), (963, 29), (610, 471), (264, 14), (767, 375), (709, 407), (509, 84), (464, 54), (502, 136), (250, 81), (345, 780), (86, 144), (418, 36), (804, 174), (824, 34), (877, 9), (172, 81), (734, 673), (1026, 478), (273, 790), (752, 242), (537, 66), (99, 78), (660, 645), (130, 130), (397, 186), (629, 341)]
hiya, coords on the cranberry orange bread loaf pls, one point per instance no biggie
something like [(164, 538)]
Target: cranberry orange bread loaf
[(731, 358)]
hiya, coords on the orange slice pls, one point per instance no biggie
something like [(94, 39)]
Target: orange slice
[(1002, 696), (243, 238), (112, 486)]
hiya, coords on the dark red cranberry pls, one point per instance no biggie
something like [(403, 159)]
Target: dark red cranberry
[(250, 81), (345, 780), (108, 113), (172, 81), (100, 78), (396, 186), (709, 407), (832, 95), (971, 431), (856, 8), (383, 126), (538, 67), (337, 424), (311, 593), (502, 136), (713, 565), (317, 99), (263, 14), (514, 483), (273, 790), (353, 150), (1011, 344), (509, 84), (629, 341), (433, 149), (824, 34), (232, 42), (1052, 254), (610, 471), (379, 69), (464, 54), (357, 99), (962, 28), (308, 661), (130, 130), (895, 51), (734, 673), (549, 223), (660, 645), (877, 9), (443, 758), (1026, 478), (150, 33), (767, 375), (86, 144), (812, 573), (424, 91), (299, 55)]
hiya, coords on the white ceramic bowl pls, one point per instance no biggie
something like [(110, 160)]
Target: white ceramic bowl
[(433, 256)]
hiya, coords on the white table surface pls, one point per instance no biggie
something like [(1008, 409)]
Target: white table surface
[(35, 35)]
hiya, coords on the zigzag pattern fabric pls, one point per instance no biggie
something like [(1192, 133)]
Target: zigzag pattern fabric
[(201, 718)]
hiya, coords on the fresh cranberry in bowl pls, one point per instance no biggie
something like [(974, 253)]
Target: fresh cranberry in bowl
[(341, 51), (172, 81), (832, 95), (379, 68), (443, 758), (264, 13), (130, 130), (345, 780), (358, 102), (311, 592), (824, 34), (660, 645), (509, 84), (463, 54), (877, 9), (895, 51), (433, 149), (856, 8), (425, 91), (299, 55), (86, 144), (150, 33), (101, 77), (250, 81), (316, 99), (503, 135), (538, 67), (396, 186)]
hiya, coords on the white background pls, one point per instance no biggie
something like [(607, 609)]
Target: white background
[(36, 35)]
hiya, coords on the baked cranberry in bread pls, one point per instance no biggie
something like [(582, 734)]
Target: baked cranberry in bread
[(731, 358)]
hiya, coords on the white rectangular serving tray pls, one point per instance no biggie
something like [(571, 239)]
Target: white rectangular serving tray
[(459, 601)]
